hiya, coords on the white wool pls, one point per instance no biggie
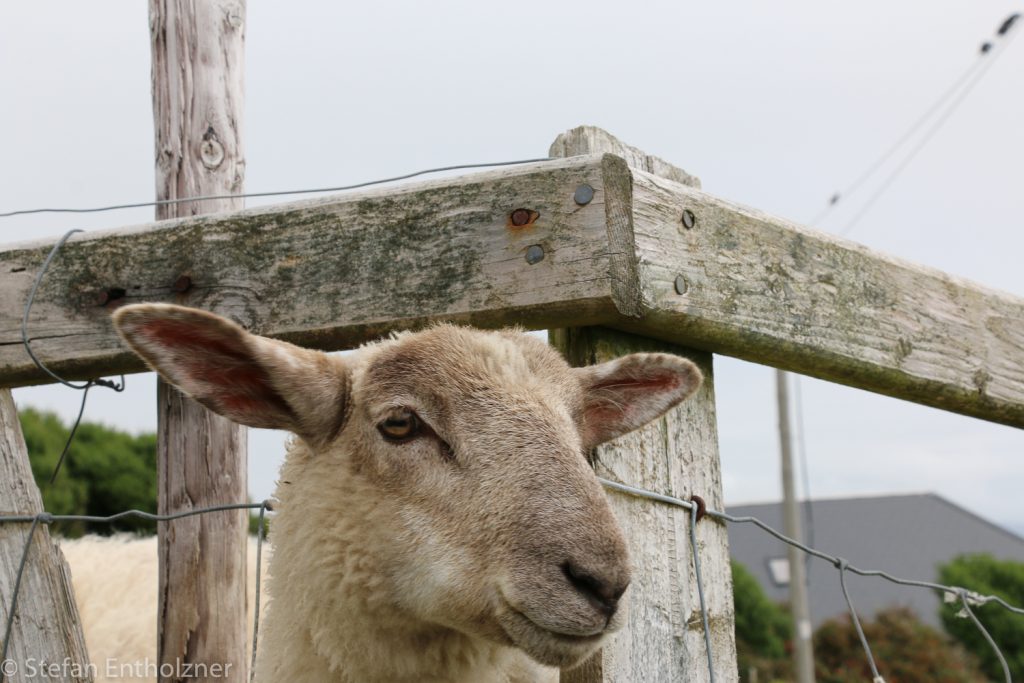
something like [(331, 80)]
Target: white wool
[(115, 581)]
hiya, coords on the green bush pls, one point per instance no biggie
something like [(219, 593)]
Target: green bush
[(986, 575), (763, 629), (106, 471), (904, 649)]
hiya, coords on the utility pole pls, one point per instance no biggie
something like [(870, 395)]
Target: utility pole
[(799, 604), (198, 90)]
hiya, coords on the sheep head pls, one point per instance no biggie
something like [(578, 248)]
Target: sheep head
[(474, 443)]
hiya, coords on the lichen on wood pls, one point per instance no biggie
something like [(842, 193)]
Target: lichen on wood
[(328, 273), (771, 292)]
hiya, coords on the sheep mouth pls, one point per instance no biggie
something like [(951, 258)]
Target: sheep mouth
[(566, 637), (547, 646)]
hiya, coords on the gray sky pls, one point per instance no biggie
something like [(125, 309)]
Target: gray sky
[(774, 105)]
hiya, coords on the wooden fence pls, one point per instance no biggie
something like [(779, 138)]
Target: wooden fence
[(618, 251)]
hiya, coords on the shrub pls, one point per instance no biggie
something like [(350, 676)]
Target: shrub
[(763, 629), (904, 649), (986, 575), (105, 471)]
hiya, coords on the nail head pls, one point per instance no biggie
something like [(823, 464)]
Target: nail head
[(534, 254), (520, 217), (681, 285), (689, 220), (584, 194)]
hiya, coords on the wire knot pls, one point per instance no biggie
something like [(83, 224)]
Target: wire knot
[(109, 384), (841, 564)]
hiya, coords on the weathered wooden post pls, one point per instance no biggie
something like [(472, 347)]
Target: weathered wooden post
[(198, 53), (678, 456), (46, 626)]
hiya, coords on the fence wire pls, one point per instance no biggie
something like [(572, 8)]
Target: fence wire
[(965, 596), (47, 518), (272, 193), (696, 512)]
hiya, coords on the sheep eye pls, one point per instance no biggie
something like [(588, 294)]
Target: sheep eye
[(402, 425)]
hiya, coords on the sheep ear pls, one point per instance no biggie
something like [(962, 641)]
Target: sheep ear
[(627, 393), (252, 380)]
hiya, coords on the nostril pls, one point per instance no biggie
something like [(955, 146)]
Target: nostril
[(604, 594)]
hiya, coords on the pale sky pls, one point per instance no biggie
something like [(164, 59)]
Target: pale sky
[(774, 105)]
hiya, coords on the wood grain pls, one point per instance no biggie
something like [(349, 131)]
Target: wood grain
[(676, 455), (198, 52), (594, 140), (46, 623), (771, 292), (329, 273), (334, 272), (202, 460)]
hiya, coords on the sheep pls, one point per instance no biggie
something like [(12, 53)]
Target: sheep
[(437, 518)]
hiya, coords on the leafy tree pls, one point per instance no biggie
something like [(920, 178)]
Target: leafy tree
[(904, 649), (986, 575), (763, 629), (106, 471)]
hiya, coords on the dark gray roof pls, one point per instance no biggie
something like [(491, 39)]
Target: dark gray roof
[(905, 535)]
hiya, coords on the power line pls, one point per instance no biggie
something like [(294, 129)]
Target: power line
[(925, 139), (838, 196), (951, 99), (954, 96)]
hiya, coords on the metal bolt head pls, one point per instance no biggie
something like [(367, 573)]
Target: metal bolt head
[(584, 194), (534, 254), (689, 220), (681, 285)]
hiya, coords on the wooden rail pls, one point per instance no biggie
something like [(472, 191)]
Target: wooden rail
[(329, 273), (769, 291), (333, 272)]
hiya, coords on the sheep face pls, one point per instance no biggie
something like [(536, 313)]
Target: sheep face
[(465, 451)]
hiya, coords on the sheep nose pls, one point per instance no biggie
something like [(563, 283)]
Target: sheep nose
[(602, 592)]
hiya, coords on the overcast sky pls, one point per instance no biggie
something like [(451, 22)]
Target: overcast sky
[(775, 105)]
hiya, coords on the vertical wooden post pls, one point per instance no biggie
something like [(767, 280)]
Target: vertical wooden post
[(198, 53), (677, 455), (46, 624)]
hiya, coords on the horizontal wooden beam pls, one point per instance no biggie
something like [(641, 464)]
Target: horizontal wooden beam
[(334, 272), (331, 273), (749, 285)]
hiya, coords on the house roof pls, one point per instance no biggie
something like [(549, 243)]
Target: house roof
[(907, 535)]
